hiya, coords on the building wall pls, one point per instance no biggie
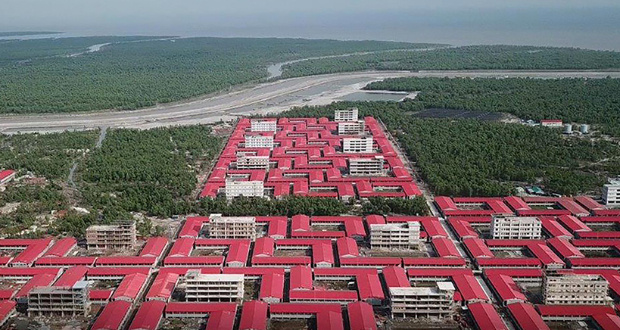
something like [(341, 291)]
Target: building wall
[(346, 115), (421, 302), (232, 227), (576, 290), (121, 236), (263, 126), (213, 288), (244, 188), (47, 301), (357, 145), (611, 193), (395, 236), (351, 128), (259, 141), (252, 162), (516, 228), (366, 166)]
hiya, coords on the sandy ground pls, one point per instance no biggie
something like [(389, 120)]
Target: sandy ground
[(265, 98)]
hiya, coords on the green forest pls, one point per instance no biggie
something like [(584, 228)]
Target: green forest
[(132, 73), (475, 158), (152, 171), (591, 101), (464, 58)]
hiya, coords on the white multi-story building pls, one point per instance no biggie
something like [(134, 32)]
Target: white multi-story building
[(59, 301), (213, 287), (263, 125), (367, 166), (503, 227), (435, 302), (259, 141), (357, 145), (576, 289), (611, 192), (351, 127), (235, 188), (395, 235), (111, 237), (232, 227), (245, 162), (346, 115)]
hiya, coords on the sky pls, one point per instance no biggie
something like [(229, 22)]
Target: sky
[(587, 24)]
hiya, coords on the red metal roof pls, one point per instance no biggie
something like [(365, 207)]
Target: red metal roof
[(112, 316), (508, 262), (38, 280), (506, 288), (395, 277), (433, 262), (182, 247), (607, 321), (6, 308), (469, 288), (361, 316), (486, 317), (526, 317), (71, 276), (130, 287), (301, 278), (100, 295), (116, 271), (477, 248), (154, 247), (125, 261), (347, 247), (199, 308), (564, 248), (61, 247), (573, 310), (322, 295), (216, 261), (370, 261), (148, 316), (5, 174), (445, 248), (272, 286), (163, 286), (254, 316)]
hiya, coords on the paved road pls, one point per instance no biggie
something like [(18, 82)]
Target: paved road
[(263, 98)]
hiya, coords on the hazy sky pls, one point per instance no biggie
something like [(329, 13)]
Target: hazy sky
[(589, 23)]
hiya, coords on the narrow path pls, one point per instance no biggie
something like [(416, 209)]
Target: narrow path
[(102, 136)]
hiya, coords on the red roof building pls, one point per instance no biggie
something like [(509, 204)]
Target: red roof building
[(486, 317), (163, 286), (130, 287), (148, 316), (361, 316), (113, 316), (254, 316)]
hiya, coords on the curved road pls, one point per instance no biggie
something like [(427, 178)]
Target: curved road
[(270, 97)]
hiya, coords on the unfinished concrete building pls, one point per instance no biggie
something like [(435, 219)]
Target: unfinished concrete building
[(111, 237), (503, 227), (576, 289), (429, 302), (235, 188), (367, 166), (213, 287), (351, 127), (259, 141), (263, 125), (395, 235), (245, 162), (59, 301), (232, 227), (346, 115)]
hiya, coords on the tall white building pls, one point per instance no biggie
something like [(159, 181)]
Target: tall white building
[(366, 166), (232, 227), (357, 145), (113, 237), (263, 125), (611, 192), (395, 235), (351, 127), (346, 115), (576, 289), (213, 287), (259, 141), (236, 188), (503, 227), (252, 162), (430, 302)]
